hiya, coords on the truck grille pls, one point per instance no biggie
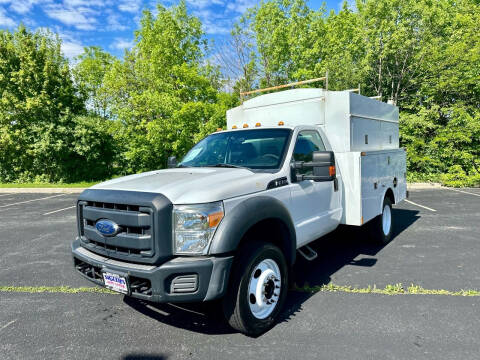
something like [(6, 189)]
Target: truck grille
[(134, 239)]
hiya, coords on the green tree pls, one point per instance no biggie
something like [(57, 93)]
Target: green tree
[(36, 97), (89, 71), (163, 91)]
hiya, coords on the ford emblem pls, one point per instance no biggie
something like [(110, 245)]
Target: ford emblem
[(107, 227)]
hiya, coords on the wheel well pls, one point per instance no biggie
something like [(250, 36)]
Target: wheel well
[(389, 194), (274, 231)]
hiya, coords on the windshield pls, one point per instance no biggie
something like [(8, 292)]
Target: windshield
[(254, 149)]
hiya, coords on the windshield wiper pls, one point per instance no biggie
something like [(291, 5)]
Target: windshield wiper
[(222, 165)]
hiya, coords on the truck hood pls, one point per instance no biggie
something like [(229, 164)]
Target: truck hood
[(193, 185)]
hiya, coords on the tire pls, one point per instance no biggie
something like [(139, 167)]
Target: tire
[(381, 226), (258, 267)]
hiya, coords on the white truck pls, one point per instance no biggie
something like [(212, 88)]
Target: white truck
[(230, 219)]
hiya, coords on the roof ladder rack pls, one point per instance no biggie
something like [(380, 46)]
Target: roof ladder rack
[(303, 82)]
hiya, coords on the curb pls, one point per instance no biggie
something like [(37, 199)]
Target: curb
[(422, 186)]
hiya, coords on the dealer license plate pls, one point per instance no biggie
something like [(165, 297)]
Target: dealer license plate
[(115, 282)]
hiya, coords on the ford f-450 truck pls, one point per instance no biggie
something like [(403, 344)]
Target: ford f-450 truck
[(229, 220)]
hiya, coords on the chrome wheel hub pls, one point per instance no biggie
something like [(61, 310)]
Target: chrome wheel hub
[(264, 288)]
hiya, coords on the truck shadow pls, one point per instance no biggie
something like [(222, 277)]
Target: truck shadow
[(336, 250)]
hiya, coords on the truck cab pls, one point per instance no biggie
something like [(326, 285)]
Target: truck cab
[(228, 221)]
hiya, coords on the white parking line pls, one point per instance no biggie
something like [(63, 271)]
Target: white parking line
[(422, 206), (462, 191), (27, 201), (55, 211), (7, 325)]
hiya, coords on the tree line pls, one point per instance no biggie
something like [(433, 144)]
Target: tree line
[(100, 116)]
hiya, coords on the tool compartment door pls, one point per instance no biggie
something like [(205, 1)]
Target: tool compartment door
[(380, 171)]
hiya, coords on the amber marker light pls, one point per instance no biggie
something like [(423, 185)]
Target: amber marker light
[(332, 171), (215, 218), (219, 129), (281, 123), (258, 125), (245, 126), (234, 126)]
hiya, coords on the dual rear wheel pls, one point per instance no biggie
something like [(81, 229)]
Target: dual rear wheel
[(380, 228)]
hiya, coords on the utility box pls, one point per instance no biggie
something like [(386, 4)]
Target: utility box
[(351, 121), (363, 133)]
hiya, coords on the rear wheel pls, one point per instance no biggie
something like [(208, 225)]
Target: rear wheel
[(381, 227), (257, 289)]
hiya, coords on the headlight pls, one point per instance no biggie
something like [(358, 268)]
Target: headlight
[(194, 226)]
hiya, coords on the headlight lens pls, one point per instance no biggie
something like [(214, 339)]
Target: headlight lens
[(194, 226)]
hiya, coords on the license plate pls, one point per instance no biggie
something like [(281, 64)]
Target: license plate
[(115, 282)]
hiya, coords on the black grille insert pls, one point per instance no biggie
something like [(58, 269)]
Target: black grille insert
[(93, 272), (140, 286)]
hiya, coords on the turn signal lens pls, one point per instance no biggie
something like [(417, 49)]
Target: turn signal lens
[(245, 126), (332, 171), (214, 219)]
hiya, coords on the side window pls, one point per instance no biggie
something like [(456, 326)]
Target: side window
[(308, 141)]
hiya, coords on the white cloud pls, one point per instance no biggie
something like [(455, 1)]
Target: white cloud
[(86, 3), (214, 22), (114, 23), (82, 18), (23, 6), (240, 6), (131, 6), (121, 44), (203, 4), (71, 47), (6, 21)]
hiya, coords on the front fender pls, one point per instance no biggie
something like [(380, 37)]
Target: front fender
[(246, 214)]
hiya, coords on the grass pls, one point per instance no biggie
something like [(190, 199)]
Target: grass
[(397, 289), (48, 185)]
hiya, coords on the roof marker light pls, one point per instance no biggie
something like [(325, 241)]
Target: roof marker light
[(234, 126), (219, 129), (281, 123), (245, 126), (258, 124)]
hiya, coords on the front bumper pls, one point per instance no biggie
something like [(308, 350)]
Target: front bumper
[(212, 275)]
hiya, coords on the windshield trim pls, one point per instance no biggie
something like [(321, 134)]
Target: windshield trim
[(256, 170)]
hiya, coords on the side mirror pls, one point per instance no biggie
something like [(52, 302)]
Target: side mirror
[(171, 162), (322, 165)]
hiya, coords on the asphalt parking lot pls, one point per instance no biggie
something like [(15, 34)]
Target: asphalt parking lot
[(436, 245)]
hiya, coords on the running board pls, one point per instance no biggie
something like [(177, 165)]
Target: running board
[(308, 253)]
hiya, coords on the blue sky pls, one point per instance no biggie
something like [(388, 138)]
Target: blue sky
[(110, 23)]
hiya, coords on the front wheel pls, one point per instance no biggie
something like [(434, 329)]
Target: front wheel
[(257, 289), (381, 226)]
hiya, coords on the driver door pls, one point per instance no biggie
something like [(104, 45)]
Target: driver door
[(315, 204)]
